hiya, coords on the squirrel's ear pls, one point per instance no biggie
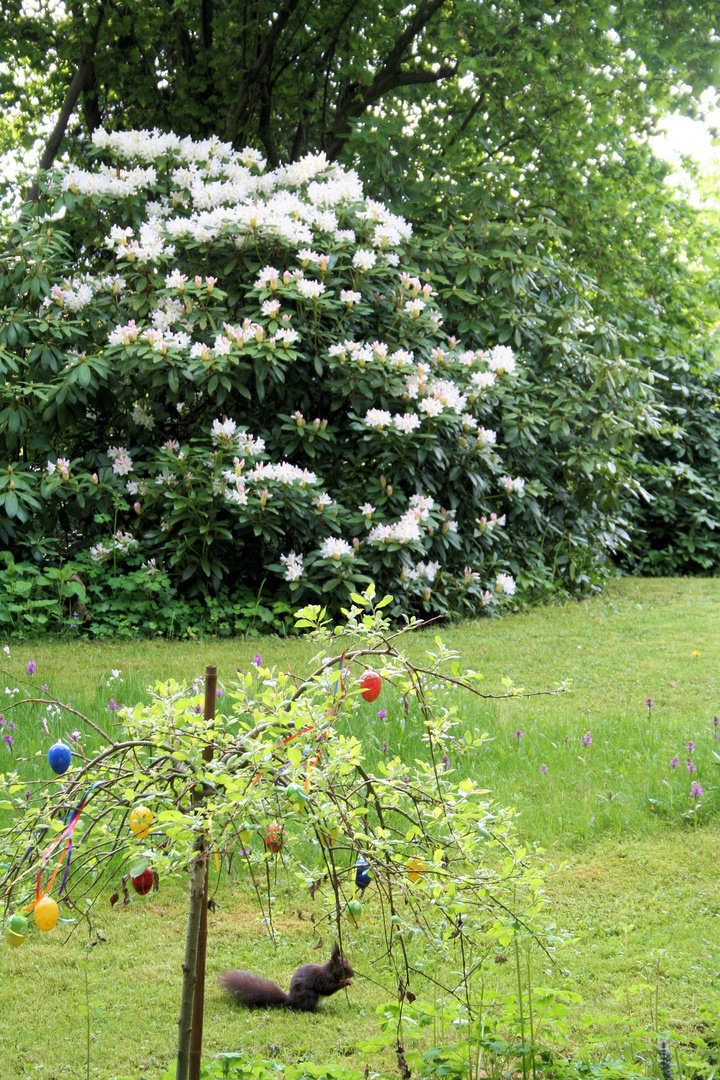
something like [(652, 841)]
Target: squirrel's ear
[(335, 954)]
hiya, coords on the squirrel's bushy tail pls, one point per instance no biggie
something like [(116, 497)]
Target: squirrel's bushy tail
[(252, 989)]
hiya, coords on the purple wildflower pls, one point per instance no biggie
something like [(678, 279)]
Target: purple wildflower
[(75, 735), (691, 766), (587, 739), (112, 705), (518, 736), (257, 659), (8, 740), (445, 762), (45, 689), (382, 713), (715, 721), (384, 748), (2, 719), (674, 762), (543, 769), (690, 746), (650, 703), (31, 667), (695, 790), (197, 708), (218, 692)]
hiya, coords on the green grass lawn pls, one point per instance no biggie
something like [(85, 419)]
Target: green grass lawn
[(638, 885)]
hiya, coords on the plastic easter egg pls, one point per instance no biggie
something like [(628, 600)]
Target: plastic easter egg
[(274, 837), (59, 758), (370, 686), (416, 868), (362, 873), (143, 882), (46, 913), (354, 910), (14, 940), (327, 837), (295, 793), (18, 924), (141, 818)]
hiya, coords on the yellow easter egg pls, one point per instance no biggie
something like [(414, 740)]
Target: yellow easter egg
[(141, 818), (416, 868), (46, 913), (14, 940), (327, 837)]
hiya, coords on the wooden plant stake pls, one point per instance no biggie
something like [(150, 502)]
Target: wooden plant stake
[(192, 1003)]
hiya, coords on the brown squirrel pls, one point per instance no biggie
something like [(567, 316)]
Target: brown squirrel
[(309, 983)]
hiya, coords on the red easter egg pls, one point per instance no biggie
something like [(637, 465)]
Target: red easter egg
[(370, 685), (274, 837), (143, 882)]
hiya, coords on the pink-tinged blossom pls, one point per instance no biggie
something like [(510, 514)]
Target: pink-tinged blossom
[(31, 667), (690, 765), (543, 769), (696, 790), (587, 739), (674, 761)]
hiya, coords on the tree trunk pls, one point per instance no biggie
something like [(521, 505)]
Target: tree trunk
[(197, 892)]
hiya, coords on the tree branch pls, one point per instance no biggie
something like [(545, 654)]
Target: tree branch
[(76, 87), (355, 98), (251, 76)]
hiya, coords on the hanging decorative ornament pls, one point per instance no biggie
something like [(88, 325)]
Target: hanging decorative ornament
[(370, 686), (416, 868), (274, 837), (59, 757), (296, 795), (16, 930), (141, 818), (46, 913), (142, 883), (354, 911), (362, 873), (328, 837)]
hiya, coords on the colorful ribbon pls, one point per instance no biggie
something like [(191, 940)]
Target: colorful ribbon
[(74, 817)]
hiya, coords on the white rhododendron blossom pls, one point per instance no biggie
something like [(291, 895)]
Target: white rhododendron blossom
[(378, 418), (515, 485), (335, 548), (505, 583), (407, 423), (305, 388), (364, 260), (405, 531), (293, 566)]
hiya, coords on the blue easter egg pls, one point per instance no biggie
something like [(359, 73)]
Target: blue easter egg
[(59, 757), (362, 876)]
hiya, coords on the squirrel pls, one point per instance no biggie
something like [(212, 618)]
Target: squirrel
[(309, 983)]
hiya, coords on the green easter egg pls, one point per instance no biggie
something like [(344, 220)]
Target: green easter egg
[(355, 908), (18, 924), (295, 793)]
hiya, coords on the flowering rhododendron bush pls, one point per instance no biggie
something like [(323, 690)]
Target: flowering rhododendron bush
[(235, 376)]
